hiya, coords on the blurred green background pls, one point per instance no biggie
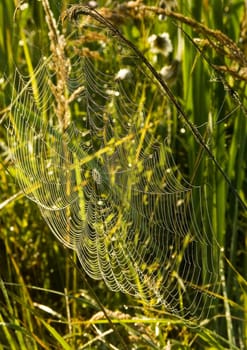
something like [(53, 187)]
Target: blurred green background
[(48, 303)]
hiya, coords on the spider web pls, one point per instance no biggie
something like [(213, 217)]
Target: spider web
[(105, 180)]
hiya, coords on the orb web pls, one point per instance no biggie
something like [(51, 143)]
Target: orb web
[(104, 178)]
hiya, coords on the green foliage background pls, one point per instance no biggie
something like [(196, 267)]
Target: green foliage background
[(48, 303)]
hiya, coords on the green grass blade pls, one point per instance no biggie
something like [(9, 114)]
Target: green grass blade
[(56, 335)]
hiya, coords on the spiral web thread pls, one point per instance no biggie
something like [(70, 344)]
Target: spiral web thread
[(106, 185)]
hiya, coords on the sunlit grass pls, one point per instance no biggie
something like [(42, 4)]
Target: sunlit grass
[(45, 303)]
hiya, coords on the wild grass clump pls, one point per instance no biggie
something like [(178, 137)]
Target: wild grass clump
[(46, 300)]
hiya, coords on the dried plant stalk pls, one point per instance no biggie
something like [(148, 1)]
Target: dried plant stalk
[(60, 65)]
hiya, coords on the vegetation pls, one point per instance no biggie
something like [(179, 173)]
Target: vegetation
[(46, 300)]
